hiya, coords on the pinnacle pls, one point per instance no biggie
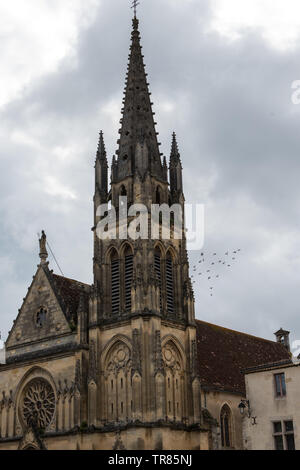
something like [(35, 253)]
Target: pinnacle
[(175, 155), (101, 151)]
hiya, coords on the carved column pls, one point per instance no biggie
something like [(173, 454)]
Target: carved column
[(159, 378), (92, 386), (136, 376)]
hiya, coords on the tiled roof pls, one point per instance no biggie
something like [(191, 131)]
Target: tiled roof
[(223, 353), (69, 292)]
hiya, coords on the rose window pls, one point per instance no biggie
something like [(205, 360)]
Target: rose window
[(38, 403)]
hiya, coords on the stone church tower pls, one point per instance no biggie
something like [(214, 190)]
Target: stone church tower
[(112, 365), (142, 309)]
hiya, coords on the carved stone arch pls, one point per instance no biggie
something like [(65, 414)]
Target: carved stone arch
[(177, 345), (111, 252), (173, 360), (171, 251), (108, 347), (159, 246), (36, 383), (126, 245), (116, 362)]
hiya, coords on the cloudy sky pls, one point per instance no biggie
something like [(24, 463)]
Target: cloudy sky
[(221, 73)]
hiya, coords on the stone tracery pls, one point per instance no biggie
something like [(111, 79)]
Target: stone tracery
[(38, 403)]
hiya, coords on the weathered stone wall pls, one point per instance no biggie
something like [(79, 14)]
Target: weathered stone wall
[(214, 401)]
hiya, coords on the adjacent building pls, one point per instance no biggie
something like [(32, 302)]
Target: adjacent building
[(272, 407)]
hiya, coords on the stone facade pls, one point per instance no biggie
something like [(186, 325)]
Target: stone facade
[(123, 364), (270, 411), (112, 365)]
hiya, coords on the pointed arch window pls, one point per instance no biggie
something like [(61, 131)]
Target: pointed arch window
[(226, 427), (115, 283), (128, 277), (157, 267), (158, 197), (169, 284)]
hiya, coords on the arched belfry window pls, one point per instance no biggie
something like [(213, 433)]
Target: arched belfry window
[(169, 283), (128, 277), (115, 282), (226, 427), (157, 267)]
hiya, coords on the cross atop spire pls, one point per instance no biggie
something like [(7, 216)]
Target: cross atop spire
[(135, 3)]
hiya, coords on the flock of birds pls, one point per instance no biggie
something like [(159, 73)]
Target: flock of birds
[(211, 267)]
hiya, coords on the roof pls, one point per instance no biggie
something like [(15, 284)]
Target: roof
[(223, 353), (70, 292)]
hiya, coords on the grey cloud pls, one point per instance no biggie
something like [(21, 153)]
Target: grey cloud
[(239, 141)]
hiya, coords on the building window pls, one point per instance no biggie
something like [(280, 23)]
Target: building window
[(128, 279), (226, 427), (280, 386), (169, 284), (41, 317), (283, 433), (157, 267), (115, 284)]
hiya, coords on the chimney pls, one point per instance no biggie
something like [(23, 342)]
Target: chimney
[(283, 337)]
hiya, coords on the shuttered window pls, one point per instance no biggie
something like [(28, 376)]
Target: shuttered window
[(115, 286), (157, 266), (169, 285), (128, 281)]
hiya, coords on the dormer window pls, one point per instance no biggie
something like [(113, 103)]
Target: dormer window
[(41, 317)]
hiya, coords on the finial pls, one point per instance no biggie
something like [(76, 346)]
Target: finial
[(43, 249), (101, 151), (174, 149), (135, 3)]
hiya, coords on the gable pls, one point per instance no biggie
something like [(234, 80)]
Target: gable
[(41, 315)]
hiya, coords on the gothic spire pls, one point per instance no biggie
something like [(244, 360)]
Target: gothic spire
[(175, 155), (101, 151), (101, 167), (138, 147), (175, 168)]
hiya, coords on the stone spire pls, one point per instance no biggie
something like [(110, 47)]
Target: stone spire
[(175, 168), (138, 146), (101, 167)]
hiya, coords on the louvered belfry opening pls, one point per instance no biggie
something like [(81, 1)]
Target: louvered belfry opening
[(157, 266), (128, 278), (115, 283), (169, 284)]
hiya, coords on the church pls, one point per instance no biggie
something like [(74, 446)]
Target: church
[(124, 363)]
